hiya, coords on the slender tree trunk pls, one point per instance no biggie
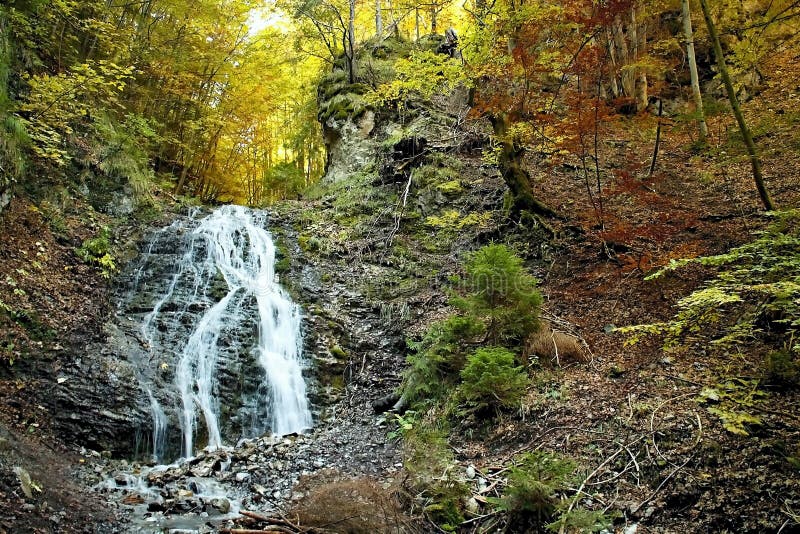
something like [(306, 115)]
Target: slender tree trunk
[(639, 42), (351, 38), (612, 57), (658, 140), (378, 20), (755, 161), (698, 97)]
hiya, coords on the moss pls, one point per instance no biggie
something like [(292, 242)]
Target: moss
[(339, 99), (452, 187), (436, 175), (336, 382), (337, 352), (308, 243), (453, 220), (282, 256), (446, 513)]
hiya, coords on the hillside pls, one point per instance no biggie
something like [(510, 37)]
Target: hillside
[(531, 296)]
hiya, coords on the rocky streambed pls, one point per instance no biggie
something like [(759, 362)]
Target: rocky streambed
[(206, 492)]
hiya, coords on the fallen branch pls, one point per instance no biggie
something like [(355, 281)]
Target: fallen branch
[(578, 493), (280, 524), (663, 482), (271, 528)]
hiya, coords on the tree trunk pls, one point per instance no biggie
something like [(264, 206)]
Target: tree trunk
[(755, 161), (612, 57), (510, 165), (627, 78), (351, 38), (378, 20), (639, 43), (698, 97)]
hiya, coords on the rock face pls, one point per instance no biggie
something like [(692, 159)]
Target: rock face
[(204, 347), (366, 260)]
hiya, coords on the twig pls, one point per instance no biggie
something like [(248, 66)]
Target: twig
[(583, 485), (630, 407), (678, 468), (478, 518), (636, 464), (652, 422), (663, 482), (271, 528), (555, 348), (399, 214)]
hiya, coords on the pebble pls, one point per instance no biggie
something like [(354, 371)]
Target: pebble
[(470, 472), (472, 505)]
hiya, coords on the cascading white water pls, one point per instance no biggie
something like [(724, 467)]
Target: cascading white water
[(160, 422), (233, 245)]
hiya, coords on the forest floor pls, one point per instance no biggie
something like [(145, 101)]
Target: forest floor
[(52, 300)]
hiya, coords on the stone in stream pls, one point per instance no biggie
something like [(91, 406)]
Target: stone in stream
[(221, 504)]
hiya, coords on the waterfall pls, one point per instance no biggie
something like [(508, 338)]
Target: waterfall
[(213, 318)]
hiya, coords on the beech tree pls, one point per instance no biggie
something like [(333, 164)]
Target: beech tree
[(692, 61), (755, 161)]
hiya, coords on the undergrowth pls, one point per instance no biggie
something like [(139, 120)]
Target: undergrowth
[(755, 294)]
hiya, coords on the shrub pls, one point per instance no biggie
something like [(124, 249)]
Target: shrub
[(755, 294), (354, 505), (536, 496), (97, 250), (420, 76), (498, 302), (438, 358), (491, 379), (555, 347), (535, 485), (499, 291)]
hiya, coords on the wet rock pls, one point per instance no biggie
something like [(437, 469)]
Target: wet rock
[(221, 504), (155, 506)]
